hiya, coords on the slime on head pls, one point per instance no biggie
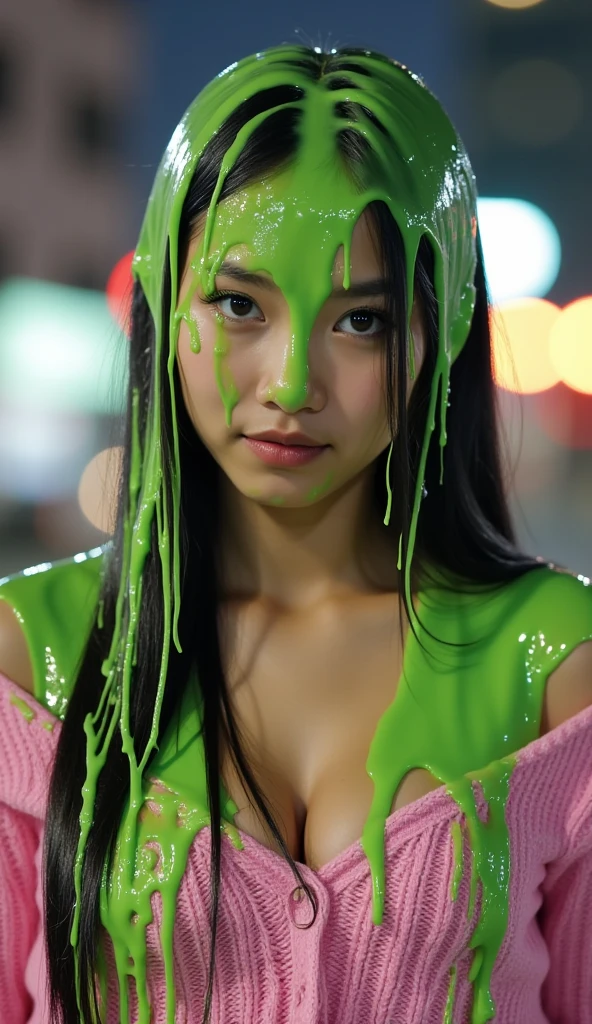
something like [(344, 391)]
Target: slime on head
[(417, 165), (302, 216)]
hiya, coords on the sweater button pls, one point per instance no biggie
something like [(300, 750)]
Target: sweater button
[(301, 911)]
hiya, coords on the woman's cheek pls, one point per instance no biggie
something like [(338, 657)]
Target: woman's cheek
[(196, 371), (364, 397)]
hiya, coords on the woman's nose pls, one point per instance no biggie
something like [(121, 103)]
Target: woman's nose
[(289, 380)]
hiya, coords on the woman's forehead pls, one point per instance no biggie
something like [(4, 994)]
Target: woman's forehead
[(296, 217), (364, 249)]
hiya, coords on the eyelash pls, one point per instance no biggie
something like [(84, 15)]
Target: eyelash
[(216, 296)]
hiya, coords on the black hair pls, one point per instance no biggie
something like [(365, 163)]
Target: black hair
[(464, 527)]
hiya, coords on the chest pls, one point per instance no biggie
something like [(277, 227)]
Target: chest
[(308, 692)]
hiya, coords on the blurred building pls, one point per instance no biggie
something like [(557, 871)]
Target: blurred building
[(529, 134), (530, 120), (66, 75)]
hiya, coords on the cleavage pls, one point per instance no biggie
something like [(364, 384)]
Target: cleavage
[(308, 732)]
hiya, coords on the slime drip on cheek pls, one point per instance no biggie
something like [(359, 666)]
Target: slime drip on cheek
[(226, 386), (194, 339), (184, 314)]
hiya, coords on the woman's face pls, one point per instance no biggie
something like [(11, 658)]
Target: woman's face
[(344, 407)]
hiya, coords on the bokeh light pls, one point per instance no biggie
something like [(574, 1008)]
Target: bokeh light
[(65, 355), (570, 345), (521, 248), (520, 341), (535, 102), (97, 490), (119, 291), (565, 416), (515, 5), (41, 452)]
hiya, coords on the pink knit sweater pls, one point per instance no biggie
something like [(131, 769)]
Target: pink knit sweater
[(343, 970)]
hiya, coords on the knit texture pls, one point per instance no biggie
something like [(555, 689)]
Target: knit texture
[(343, 969)]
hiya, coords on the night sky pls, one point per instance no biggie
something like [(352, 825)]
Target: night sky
[(183, 45)]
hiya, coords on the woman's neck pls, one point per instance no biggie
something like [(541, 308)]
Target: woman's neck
[(297, 557)]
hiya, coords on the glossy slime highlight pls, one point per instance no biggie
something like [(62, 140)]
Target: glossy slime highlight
[(421, 171)]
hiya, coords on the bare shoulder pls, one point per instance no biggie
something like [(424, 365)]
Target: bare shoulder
[(569, 688), (15, 662)]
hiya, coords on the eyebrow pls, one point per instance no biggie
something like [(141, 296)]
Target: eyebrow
[(376, 287)]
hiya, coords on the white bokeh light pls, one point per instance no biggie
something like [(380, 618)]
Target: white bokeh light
[(60, 349), (521, 248)]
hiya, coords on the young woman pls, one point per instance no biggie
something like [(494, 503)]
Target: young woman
[(312, 650)]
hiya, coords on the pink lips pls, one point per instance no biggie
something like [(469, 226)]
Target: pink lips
[(282, 455)]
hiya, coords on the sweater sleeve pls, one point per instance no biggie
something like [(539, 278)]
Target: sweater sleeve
[(565, 916), (28, 737)]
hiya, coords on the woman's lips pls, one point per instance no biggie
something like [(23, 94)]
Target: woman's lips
[(282, 455)]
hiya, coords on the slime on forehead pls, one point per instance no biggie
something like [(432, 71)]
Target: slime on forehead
[(292, 227)]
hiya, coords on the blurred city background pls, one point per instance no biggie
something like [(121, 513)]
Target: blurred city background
[(90, 92)]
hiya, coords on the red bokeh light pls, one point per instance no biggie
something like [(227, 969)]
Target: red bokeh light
[(565, 415), (119, 291)]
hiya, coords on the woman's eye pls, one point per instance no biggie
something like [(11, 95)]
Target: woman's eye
[(235, 307), (362, 320)]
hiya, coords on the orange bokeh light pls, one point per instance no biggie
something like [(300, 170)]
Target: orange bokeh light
[(570, 345), (515, 5), (97, 490), (520, 341)]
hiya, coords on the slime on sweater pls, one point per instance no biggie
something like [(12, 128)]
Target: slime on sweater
[(446, 716)]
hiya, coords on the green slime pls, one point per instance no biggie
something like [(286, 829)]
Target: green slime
[(420, 169), (28, 713), (454, 708)]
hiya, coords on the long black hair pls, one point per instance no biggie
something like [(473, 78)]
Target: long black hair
[(464, 527)]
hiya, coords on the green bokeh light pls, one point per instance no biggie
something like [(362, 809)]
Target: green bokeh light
[(60, 349)]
